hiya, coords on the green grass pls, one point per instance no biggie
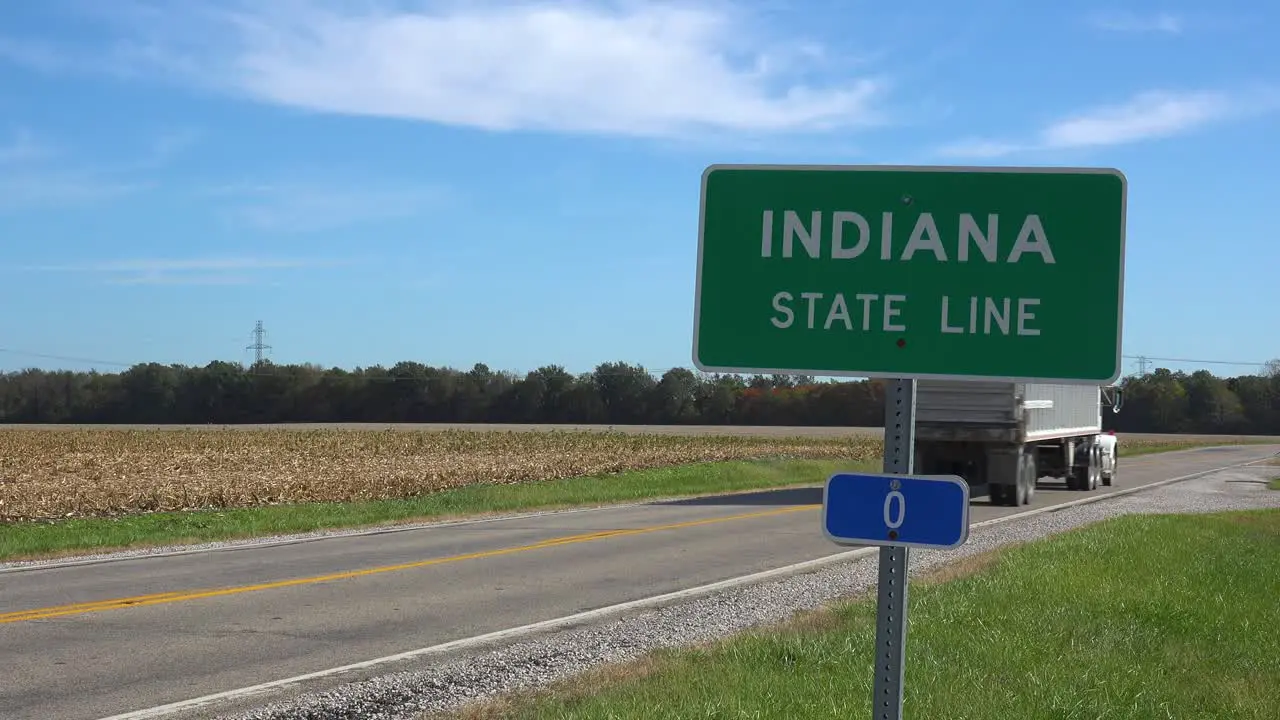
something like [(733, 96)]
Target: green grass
[(1151, 448), (1275, 481), (73, 536), (78, 535), (1140, 617)]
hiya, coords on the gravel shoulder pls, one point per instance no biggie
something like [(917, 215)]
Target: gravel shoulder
[(438, 687)]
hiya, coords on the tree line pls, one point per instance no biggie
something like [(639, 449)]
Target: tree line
[(1162, 401)]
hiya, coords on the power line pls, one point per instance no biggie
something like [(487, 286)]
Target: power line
[(267, 373), (1148, 358), (65, 358), (386, 377)]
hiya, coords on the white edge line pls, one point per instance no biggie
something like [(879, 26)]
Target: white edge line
[(577, 618)]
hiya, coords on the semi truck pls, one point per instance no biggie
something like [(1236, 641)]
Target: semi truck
[(1008, 435)]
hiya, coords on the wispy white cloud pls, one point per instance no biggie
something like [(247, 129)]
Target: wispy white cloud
[(23, 147), (979, 148), (636, 69), (35, 177), (298, 207), (235, 270), (1121, 21), (185, 279), (203, 264), (139, 53), (1147, 116), (33, 190), (38, 175), (165, 147), (43, 56)]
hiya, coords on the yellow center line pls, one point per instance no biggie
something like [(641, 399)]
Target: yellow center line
[(182, 596)]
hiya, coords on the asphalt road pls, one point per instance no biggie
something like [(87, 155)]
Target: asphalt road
[(86, 641)]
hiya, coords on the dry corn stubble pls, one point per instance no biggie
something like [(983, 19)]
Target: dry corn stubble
[(49, 474)]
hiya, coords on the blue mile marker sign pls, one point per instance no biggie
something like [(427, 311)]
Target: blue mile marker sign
[(924, 511)]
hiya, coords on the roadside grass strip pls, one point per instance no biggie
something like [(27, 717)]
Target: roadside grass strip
[(46, 539), (1143, 616), (75, 536), (1135, 449)]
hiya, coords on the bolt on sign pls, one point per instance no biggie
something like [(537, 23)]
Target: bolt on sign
[(911, 272)]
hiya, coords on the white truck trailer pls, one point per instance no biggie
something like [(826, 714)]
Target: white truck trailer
[(1009, 435)]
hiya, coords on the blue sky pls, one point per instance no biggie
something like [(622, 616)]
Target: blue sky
[(517, 183)]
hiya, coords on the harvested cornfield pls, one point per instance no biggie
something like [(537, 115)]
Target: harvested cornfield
[(51, 474), (47, 474)]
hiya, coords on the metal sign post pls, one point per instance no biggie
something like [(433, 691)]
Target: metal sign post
[(896, 510), (891, 589)]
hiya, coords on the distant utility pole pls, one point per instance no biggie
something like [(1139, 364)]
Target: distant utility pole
[(259, 334), (1143, 362)]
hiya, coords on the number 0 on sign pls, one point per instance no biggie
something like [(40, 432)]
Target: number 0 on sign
[(927, 511)]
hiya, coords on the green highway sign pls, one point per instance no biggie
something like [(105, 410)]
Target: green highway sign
[(964, 273)]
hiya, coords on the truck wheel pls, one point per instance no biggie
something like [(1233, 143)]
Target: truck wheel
[(1085, 477), (1075, 478), (1027, 475), (1008, 495), (1004, 495), (1020, 496), (995, 494)]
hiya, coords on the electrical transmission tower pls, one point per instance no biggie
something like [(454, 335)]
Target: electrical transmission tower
[(1143, 362), (258, 346)]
